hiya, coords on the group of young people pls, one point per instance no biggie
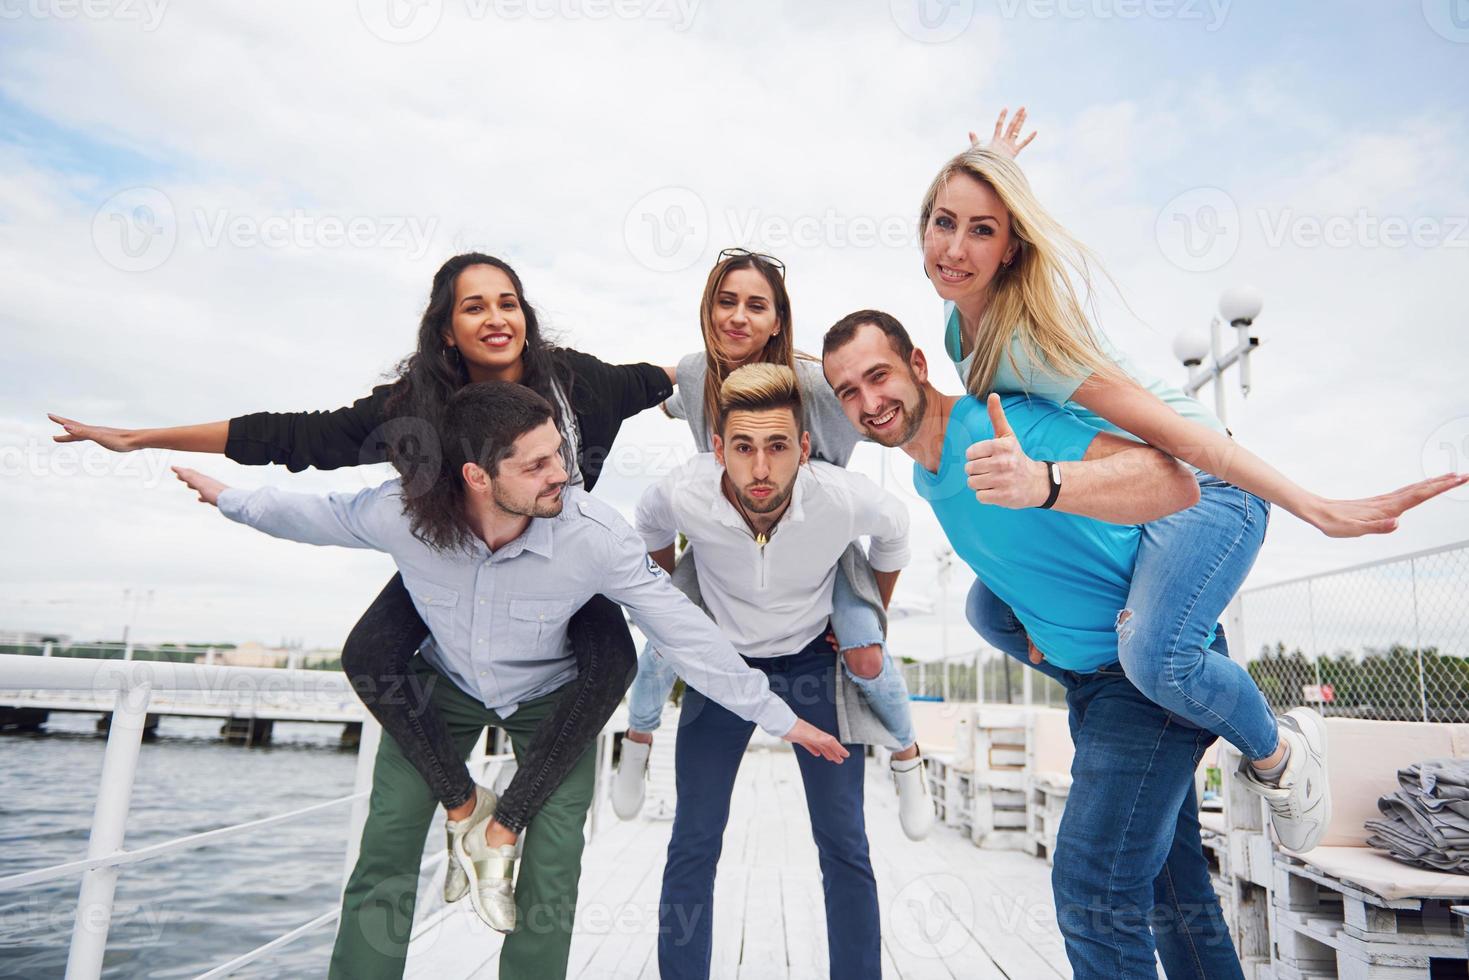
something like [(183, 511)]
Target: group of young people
[(1108, 517)]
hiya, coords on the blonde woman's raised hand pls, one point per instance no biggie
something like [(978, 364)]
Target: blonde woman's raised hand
[(1006, 139), (1378, 515)]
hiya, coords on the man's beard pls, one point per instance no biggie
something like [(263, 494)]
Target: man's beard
[(911, 423), (774, 502), (548, 506)]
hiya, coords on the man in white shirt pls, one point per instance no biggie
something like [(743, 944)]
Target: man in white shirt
[(769, 528)]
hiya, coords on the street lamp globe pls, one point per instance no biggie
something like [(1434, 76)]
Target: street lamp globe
[(1240, 305), (1191, 347)]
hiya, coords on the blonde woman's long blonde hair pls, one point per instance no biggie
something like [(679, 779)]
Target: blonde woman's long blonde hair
[(1033, 300), (779, 349)]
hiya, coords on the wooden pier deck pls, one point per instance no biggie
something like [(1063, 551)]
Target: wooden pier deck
[(949, 909)]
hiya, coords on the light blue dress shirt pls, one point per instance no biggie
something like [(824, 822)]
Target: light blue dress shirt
[(498, 619)]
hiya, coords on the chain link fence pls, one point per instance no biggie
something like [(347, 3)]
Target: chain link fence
[(1386, 640)]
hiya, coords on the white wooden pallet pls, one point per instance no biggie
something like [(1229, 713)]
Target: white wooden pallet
[(1046, 795), (1323, 926)]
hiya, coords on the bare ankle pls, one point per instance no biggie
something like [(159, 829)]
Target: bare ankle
[(498, 835), (643, 738), (911, 752), (461, 811)]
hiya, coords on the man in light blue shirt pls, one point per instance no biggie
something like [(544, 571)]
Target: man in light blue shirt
[(497, 556), (1130, 878)]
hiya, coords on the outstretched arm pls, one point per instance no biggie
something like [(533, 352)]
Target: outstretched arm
[(210, 437), (1129, 406), (347, 436), (344, 519)]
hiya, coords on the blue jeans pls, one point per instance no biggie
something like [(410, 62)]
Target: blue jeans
[(1130, 877), (1189, 566), (711, 745), (855, 624)]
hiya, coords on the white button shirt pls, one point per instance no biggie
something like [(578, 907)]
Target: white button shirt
[(772, 601)]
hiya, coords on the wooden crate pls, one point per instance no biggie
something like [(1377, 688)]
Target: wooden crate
[(1323, 926), (1047, 793)]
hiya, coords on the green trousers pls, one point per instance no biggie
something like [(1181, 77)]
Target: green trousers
[(377, 906)]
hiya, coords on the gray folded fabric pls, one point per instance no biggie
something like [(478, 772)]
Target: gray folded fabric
[(1426, 821)]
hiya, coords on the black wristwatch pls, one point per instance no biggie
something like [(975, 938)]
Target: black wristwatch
[(1053, 473)]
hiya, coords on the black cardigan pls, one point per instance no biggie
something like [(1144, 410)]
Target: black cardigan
[(602, 395)]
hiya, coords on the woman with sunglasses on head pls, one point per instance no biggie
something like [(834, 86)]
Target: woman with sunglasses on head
[(477, 326), (745, 317), (1013, 323)]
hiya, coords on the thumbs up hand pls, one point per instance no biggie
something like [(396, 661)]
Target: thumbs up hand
[(999, 471)]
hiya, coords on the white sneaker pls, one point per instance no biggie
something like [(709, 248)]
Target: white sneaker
[(629, 783), (1300, 807), (456, 882), (915, 809), (491, 872)]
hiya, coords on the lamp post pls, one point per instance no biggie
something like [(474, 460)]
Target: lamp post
[(134, 599), (1238, 307)]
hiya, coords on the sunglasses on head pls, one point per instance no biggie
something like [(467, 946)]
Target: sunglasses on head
[(770, 260)]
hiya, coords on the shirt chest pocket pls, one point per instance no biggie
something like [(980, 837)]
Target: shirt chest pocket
[(439, 606), (533, 623)]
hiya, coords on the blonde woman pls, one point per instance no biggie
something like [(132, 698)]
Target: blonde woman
[(745, 317), (1014, 323)]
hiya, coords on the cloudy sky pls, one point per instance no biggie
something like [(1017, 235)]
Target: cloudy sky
[(210, 209)]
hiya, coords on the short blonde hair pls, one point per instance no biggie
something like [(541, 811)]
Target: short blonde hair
[(760, 388)]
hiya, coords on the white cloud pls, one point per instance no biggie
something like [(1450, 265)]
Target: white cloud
[(533, 139)]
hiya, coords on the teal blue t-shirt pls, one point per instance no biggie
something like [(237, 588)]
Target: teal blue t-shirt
[(1066, 577), (1026, 376)]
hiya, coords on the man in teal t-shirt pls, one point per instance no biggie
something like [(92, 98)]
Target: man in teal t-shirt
[(1130, 878)]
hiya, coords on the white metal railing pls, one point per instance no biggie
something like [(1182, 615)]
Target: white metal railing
[(131, 686)]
